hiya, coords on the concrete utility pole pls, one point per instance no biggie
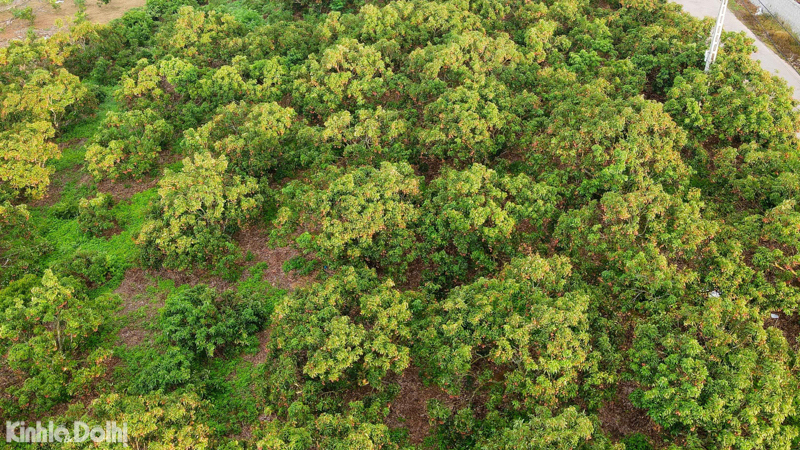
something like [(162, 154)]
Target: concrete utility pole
[(716, 35)]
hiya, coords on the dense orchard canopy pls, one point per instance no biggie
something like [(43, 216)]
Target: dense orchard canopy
[(366, 214), (409, 224)]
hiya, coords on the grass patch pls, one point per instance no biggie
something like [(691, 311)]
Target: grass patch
[(60, 229), (85, 129), (233, 399), (70, 157)]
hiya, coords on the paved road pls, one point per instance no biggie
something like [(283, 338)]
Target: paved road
[(769, 59)]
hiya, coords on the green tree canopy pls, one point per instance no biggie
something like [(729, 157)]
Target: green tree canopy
[(351, 328), (198, 209), (473, 218), (364, 214)]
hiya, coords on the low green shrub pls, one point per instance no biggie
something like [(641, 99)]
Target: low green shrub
[(95, 215), (201, 321)]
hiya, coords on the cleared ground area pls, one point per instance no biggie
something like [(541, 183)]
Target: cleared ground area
[(46, 16)]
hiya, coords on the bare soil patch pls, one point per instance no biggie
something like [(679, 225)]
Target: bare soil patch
[(789, 325), (135, 298), (133, 291), (132, 336), (429, 168), (255, 240), (620, 418), (125, 189), (46, 16), (263, 352), (413, 276), (53, 194), (8, 378), (410, 408)]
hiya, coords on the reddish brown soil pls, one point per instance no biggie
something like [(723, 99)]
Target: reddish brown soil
[(789, 325), (413, 276), (8, 378), (255, 240), (53, 194), (263, 352), (46, 16), (619, 418), (132, 336), (125, 189), (133, 291), (245, 435), (410, 408), (432, 168)]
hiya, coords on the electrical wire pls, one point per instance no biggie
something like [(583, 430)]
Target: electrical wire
[(766, 33), (779, 22)]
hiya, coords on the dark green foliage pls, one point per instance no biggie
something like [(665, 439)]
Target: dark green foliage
[(161, 371), (302, 265), (162, 9), (138, 25), (637, 441), (66, 209), (201, 321), (91, 267)]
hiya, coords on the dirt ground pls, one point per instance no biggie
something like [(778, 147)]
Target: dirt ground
[(46, 16), (133, 292), (789, 325), (254, 240), (620, 418), (410, 408)]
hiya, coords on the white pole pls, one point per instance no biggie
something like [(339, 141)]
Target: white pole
[(716, 35)]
